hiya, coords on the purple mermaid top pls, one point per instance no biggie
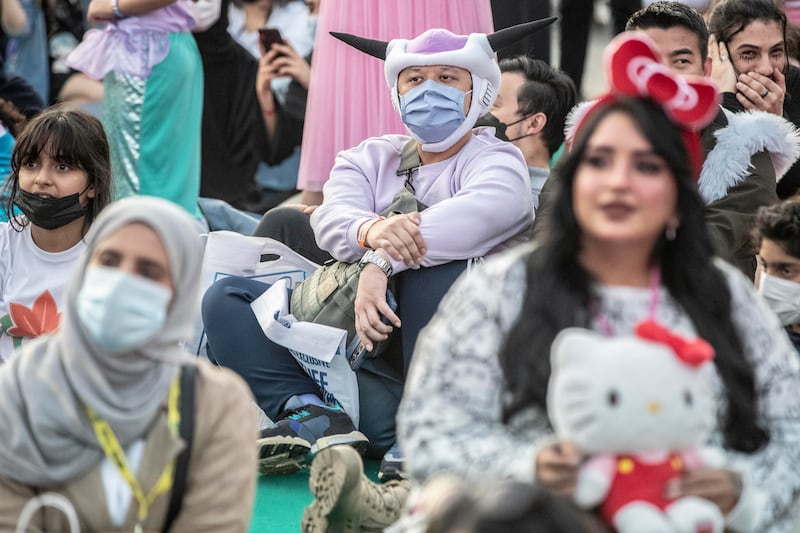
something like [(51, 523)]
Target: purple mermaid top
[(133, 45)]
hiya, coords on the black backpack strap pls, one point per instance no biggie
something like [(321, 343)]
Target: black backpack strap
[(186, 432)]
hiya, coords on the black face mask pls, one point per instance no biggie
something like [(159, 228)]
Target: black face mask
[(521, 136), (500, 127), (50, 213), (490, 120)]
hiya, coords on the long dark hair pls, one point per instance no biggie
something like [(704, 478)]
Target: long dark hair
[(75, 138), (559, 292)]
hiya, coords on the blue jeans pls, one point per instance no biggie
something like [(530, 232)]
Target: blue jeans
[(221, 215), (236, 341)]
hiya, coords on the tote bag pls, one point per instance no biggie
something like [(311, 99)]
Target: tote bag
[(228, 253)]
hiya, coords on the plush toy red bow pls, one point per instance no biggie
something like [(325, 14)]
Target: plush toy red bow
[(633, 68), (692, 352)]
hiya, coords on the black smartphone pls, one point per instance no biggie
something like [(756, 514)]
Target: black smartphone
[(359, 353), (269, 36)]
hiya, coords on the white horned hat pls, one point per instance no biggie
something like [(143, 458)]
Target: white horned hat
[(473, 52)]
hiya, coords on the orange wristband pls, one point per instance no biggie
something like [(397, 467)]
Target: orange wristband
[(364, 229)]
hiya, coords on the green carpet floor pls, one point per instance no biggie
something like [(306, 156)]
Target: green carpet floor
[(280, 501)]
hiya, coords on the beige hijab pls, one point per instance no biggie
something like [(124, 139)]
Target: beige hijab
[(46, 438)]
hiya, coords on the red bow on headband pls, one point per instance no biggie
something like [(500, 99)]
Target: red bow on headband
[(693, 353), (633, 69)]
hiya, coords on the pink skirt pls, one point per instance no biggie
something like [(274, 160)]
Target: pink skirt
[(792, 9), (348, 99)]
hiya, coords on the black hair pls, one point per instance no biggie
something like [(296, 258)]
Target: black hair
[(666, 15), (526, 508), (559, 292), (73, 137), (499, 506), (732, 16), (546, 90), (780, 223)]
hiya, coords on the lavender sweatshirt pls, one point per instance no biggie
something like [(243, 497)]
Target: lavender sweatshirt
[(479, 201)]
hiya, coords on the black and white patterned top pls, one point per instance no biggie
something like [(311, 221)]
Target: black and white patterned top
[(450, 416)]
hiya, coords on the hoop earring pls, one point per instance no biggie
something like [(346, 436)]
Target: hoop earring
[(671, 231)]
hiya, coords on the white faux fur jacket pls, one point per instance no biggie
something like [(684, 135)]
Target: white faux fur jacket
[(747, 134)]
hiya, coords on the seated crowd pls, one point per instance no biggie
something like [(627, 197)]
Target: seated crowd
[(502, 257)]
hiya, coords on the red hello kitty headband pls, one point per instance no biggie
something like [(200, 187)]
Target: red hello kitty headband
[(634, 69)]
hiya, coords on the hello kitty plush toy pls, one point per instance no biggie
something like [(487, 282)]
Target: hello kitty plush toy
[(640, 407)]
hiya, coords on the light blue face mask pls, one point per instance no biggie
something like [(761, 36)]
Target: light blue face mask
[(121, 311), (432, 111)]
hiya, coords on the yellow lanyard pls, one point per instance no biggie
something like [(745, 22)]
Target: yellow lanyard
[(111, 447)]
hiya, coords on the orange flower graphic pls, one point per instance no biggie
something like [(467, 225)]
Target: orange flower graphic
[(43, 317)]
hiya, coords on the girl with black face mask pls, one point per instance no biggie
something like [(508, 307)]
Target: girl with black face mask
[(60, 180)]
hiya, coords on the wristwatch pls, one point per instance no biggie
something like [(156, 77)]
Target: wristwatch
[(376, 258)]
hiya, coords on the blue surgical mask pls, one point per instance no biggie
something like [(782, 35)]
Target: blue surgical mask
[(432, 111), (121, 311)]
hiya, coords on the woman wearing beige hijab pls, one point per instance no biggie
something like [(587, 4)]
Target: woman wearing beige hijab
[(92, 412)]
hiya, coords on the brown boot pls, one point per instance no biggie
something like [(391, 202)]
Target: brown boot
[(345, 500)]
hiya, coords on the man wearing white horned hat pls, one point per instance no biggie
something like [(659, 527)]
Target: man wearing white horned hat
[(473, 198)]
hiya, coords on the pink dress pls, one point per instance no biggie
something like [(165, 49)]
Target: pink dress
[(792, 9), (348, 99)]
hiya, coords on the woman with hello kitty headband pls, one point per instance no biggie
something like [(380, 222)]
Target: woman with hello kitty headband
[(628, 244)]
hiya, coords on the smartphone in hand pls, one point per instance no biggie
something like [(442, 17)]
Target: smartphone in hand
[(357, 355), (269, 36)]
